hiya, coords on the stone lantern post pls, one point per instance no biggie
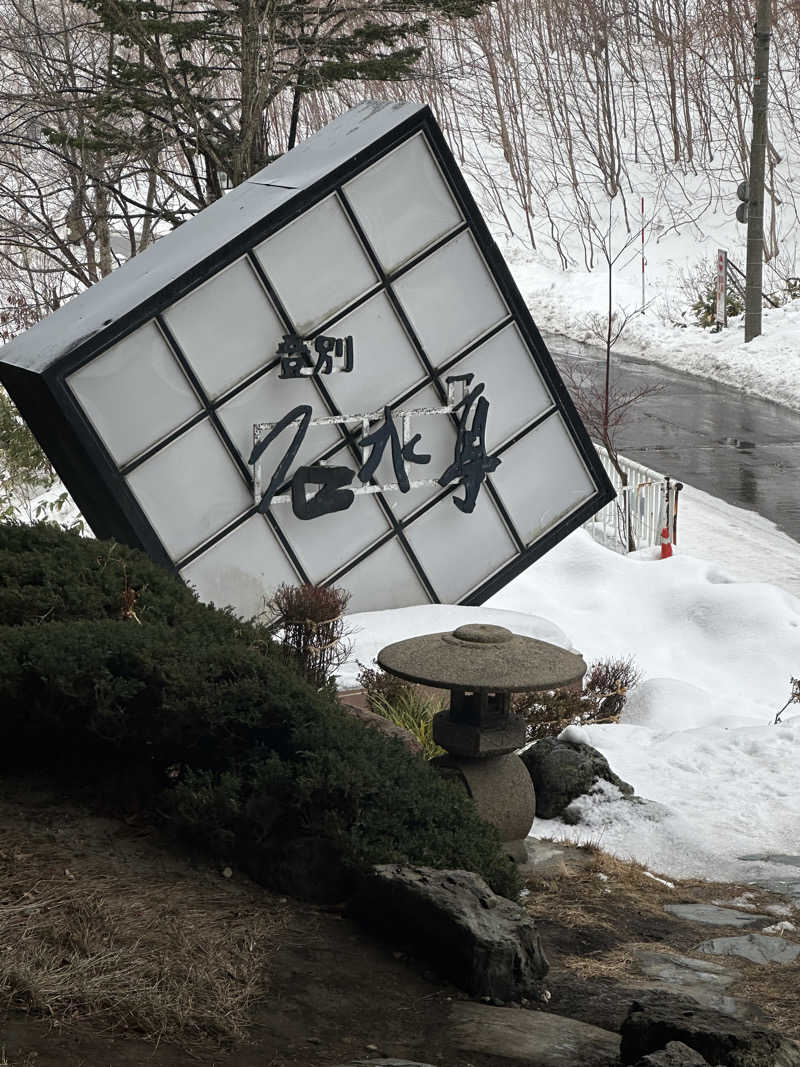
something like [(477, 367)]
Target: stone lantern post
[(482, 666)]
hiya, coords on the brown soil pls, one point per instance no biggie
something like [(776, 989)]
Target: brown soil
[(131, 939)]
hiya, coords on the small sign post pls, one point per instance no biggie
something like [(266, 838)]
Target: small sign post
[(722, 289)]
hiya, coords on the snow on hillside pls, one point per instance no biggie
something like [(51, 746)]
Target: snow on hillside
[(574, 142), (564, 301)]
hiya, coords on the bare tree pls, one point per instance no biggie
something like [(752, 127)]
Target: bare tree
[(603, 405)]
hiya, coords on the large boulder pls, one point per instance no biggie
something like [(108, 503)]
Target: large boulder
[(653, 1023), (483, 943), (564, 770)]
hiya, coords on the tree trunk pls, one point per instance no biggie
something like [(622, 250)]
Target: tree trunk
[(758, 146)]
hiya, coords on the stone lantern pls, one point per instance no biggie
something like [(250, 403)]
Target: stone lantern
[(482, 666)]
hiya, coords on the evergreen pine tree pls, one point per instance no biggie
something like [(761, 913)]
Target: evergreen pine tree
[(198, 78)]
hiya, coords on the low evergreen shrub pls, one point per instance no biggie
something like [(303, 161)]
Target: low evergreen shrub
[(50, 575), (113, 674), (350, 798)]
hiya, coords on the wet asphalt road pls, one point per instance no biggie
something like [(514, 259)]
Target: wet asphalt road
[(738, 447)]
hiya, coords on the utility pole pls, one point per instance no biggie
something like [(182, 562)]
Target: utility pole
[(758, 146)]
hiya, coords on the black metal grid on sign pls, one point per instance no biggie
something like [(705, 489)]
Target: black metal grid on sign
[(145, 469)]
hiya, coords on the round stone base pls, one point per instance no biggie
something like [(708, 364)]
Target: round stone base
[(503, 793)]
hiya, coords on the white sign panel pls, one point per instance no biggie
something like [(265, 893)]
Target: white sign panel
[(330, 377)]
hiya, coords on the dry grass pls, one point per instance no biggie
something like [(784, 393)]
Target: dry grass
[(28, 1059), (615, 899), (578, 891), (126, 946), (618, 964), (776, 990)]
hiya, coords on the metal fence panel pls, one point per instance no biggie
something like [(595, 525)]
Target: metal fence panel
[(644, 506)]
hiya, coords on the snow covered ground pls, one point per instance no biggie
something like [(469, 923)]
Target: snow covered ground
[(696, 740), (768, 366), (564, 302)]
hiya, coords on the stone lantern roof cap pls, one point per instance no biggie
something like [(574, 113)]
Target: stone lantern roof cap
[(482, 657)]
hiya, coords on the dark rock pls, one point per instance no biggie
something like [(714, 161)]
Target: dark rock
[(564, 770), (655, 1021), (483, 943), (676, 1054)]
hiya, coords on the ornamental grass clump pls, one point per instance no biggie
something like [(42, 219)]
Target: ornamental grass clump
[(414, 711)]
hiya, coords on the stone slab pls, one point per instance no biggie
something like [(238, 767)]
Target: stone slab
[(701, 980), (385, 1063), (530, 1038), (549, 859), (713, 915), (680, 969), (712, 1000), (784, 887), (759, 948), (774, 857)]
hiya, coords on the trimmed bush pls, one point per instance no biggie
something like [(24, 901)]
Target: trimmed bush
[(311, 629), (602, 697), (187, 713), (50, 575), (350, 799)]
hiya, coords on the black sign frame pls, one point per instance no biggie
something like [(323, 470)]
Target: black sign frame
[(36, 379)]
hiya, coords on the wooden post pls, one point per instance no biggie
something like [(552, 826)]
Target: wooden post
[(721, 316)]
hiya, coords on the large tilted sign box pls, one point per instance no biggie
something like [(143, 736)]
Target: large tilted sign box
[(328, 376)]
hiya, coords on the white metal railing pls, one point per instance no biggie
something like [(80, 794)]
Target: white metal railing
[(642, 509)]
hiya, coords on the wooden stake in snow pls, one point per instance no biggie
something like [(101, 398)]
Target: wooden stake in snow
[(722, 289)]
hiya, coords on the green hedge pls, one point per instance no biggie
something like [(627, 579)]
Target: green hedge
[(193, 714), (50, 575)]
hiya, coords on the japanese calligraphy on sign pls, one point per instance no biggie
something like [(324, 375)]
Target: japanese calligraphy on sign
[(467, 468), (296, 360)]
